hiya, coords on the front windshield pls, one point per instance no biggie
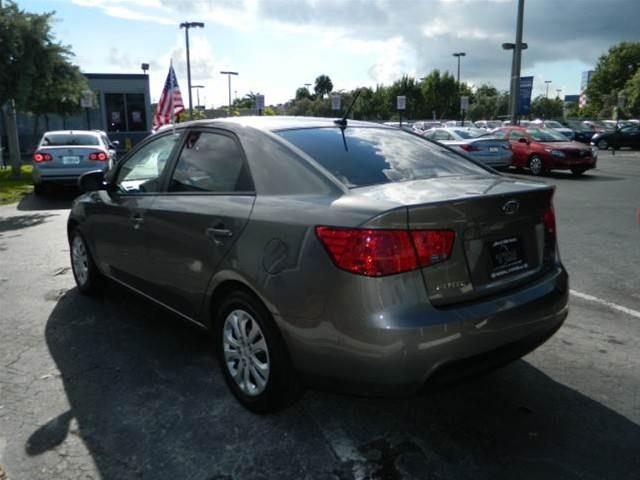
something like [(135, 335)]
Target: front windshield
[(546, 135), (552, 124), (470, 133)]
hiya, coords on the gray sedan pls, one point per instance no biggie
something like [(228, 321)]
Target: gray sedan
[(350, 256)]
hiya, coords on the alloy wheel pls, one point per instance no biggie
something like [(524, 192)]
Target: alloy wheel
[(246, 354), (603, 144), (79, 260), (535, 165)]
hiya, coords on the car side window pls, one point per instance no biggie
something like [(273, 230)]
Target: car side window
[(210, 162), (499, 134), (141, 173), (441, 135), (515, 136)]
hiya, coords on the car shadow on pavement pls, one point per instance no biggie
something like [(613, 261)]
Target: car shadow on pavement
[(18, 222), (58, 199), (148, 400)]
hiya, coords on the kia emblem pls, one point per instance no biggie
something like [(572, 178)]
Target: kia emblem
[(511, 207)]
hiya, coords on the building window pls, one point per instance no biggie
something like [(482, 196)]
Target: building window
[(126, 112), (136, 117), (116, 121)]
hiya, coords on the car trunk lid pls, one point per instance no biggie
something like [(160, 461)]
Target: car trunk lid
[(71, 157), (500, 238)]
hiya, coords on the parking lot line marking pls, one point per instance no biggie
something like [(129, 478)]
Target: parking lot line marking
[(606, 303)]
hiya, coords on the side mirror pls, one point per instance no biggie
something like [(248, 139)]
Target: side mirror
[(92, 181), (523, 140), (115, 143)]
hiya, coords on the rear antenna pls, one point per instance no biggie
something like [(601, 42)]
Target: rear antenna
[(342, 122)]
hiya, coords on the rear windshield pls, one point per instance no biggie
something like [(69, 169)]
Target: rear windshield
[(64, 139), (361, 156)]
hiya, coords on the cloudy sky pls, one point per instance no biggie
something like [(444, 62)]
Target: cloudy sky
[(279, 45)]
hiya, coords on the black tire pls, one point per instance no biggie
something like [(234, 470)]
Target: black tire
[(282, 386), (578, 171), (602, 144), (536, 166), (39, 189), (89, 283)]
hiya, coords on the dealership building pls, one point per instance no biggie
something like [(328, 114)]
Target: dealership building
[(118, 104)]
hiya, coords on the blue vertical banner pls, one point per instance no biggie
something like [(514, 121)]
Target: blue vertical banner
[(524, 97)]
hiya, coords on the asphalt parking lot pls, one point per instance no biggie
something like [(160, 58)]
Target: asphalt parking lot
[(115, 388)]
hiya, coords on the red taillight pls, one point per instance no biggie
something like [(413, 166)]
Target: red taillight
[(432, 246), (549, 220), (41, 157), (375, 253), (467, 147), (99, 156)]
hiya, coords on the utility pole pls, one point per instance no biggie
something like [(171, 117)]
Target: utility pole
[(228, 74), (547, 93), (187, 26)]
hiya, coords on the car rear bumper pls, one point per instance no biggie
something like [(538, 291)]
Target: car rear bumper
[(396, 354), (62, 176)]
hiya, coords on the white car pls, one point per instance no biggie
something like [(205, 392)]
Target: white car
[(553, 125)]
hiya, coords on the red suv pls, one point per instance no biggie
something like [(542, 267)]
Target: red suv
[(544, 149)]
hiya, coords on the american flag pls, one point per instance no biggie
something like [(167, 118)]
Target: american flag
[(170, 103)]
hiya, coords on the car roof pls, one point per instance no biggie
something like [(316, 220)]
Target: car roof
[(275, 123)]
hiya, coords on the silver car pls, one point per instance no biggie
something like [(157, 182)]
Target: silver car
[(479, 144), (63, 156), (346, 255)]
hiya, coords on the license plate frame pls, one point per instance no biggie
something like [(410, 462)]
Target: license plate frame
[(507, 257), (70, 160)]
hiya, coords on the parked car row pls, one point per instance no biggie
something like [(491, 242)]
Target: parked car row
[(534, 147)]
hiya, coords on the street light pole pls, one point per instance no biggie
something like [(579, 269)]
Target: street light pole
[(515, 65), (228, 74), (187, 26), (547, 93), (459, 54), (197, 87)]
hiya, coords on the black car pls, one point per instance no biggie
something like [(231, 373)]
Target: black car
[(628, 136)]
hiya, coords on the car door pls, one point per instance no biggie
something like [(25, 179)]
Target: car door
[(117, 219), (519, 148), (194, 224)]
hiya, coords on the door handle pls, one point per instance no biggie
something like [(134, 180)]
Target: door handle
[(219, 232), (137, 220)]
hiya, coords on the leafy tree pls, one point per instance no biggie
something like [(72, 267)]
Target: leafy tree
[(612, 73), (35, 71), (632, 93), (323, 85), (302, 92), (543, 107), (441, 96)]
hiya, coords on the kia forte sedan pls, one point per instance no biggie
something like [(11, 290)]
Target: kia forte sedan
[(345, 255)]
